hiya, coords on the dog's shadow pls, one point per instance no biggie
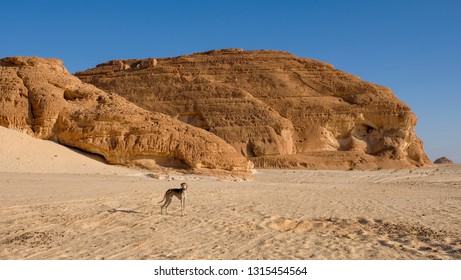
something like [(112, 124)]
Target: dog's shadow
[(123, 211), (137, 212)]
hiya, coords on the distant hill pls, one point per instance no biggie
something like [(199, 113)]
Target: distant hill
[(443, 160)]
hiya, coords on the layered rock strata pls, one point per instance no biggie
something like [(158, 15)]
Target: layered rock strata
[(39, 97), (277, 109)]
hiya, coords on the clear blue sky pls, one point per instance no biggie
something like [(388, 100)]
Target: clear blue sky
[(413, 47)]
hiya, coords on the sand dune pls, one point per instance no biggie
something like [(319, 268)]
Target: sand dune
[(72, 212), (20, 152)]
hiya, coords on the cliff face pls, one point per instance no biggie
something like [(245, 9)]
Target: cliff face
[(277, 109), (38, 96)]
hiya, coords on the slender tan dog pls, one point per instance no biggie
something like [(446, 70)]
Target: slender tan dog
[(180, 194)]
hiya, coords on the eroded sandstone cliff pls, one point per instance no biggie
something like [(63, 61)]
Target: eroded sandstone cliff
[(277, 109), (38, 96)]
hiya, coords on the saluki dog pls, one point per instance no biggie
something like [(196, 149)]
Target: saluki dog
[(180, 194)]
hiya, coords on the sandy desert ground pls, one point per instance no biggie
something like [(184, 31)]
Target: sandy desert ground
[(56, 203)]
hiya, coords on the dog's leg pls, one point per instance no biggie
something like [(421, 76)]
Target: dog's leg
[(183, 203), (167, 203), (164, 199)]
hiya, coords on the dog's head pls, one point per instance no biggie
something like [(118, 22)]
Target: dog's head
[(184, 186)]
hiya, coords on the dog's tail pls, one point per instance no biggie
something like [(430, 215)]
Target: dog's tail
[(164, 197)]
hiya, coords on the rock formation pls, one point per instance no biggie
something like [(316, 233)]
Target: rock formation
[(443, 160), (38, 96), (277, 109)]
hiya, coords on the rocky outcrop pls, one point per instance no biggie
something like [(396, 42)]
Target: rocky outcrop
[(443, 160), (277, 109), (38, 96)]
